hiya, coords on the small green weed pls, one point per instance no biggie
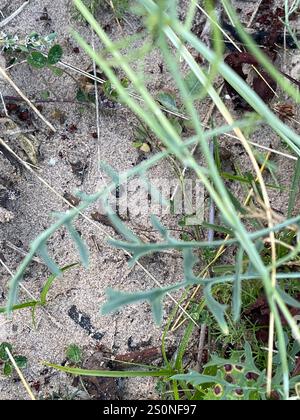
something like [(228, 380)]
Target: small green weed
[(7, 366), (74, 354), (40, 61)]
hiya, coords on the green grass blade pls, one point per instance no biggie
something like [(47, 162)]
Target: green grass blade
[(50, 281), (111, 373), (25, 305), (294, 189)]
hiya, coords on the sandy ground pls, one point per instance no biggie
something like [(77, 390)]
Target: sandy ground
[(31, 204), (32, 208)]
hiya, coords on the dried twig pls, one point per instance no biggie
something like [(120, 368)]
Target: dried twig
[(3, 103), (23, 96), (97, 113), (22, 252), (21, 376), (5, 21)]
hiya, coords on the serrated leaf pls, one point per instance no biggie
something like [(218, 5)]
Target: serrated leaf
[(37, 60), (189, 260), (117, 299), (137, 249), (53, 267), (217, 309), (236, 359), (250, 364), (55, 54), (119, 225), (82, 248), (195, 378)]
